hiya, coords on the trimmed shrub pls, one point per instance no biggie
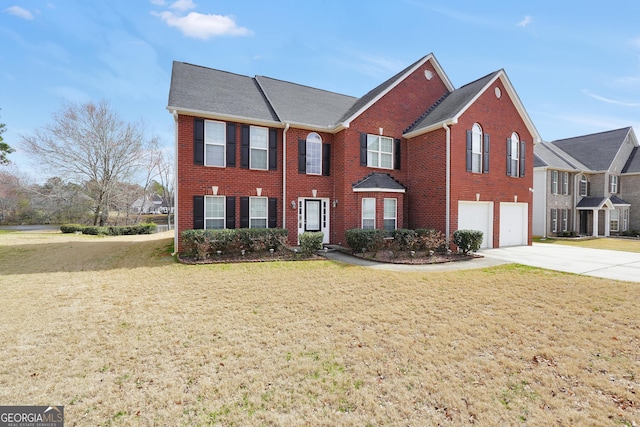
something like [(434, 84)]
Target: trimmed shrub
[(203, 243), (467, 240), (311, 242), (431, 240), (95, 230), (360, 240), (404, 239), (71, 228)]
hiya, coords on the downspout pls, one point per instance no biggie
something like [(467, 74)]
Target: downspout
[(448, 183), (175, 186), (284, 175)]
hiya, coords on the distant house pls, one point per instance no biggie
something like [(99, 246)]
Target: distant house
[(587, 185), (151, 204), (414, 152)]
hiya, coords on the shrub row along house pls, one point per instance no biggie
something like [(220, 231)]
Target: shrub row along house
[(414, 152), (587, 185)]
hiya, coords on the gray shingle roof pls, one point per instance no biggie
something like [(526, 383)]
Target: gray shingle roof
[(377, 181), (296, 103), (538, 162), (618, 201), (633, 164), (591, 202), (204, 89), (548, 155), (449, 106), (596, 151)]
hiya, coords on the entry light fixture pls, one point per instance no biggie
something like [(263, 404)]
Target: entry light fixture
[(293, 204), (335, 202)]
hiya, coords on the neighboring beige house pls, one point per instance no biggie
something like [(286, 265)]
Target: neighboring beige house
[(587, 185)]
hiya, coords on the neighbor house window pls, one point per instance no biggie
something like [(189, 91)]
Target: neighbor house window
[(379, 152), (258, 212), (614, 220), (565, 219), (368, 213), (259, 148), (214, 143), (314, 154), (625, 220), (554, 182), (584, 186), (390, 214), (565, 182), (214, 216), (476, 148), (613, 184), (554, 220)]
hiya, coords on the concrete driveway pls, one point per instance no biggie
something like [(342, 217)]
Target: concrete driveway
[(591, 262)]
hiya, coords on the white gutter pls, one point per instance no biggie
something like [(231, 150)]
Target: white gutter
[(284, 175), (175, 185), (448, 183)]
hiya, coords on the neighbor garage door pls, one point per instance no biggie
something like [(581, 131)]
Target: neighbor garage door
[(477, 216), (514, 224)]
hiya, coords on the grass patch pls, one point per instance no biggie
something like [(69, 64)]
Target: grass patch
[(124, 336), (614, 244)]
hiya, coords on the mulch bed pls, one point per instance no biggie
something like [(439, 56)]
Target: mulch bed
[(285, 255), (392, 257)]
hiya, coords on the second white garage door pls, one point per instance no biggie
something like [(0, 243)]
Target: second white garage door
[(477, 216), (514, 224)]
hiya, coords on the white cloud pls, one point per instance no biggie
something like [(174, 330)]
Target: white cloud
[(201, 26), (158, 2), (20, 12), (526, 21), (183, 5), (610, 101)]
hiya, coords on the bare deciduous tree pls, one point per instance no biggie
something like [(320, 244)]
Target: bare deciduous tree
[(91, 145)]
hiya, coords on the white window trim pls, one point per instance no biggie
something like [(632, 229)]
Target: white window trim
[(362, 212), (616, 220), (565, 219), (266, 213), (554, 182), (223, 144), (317, 140), (584, 185), (554, 220), (252, 148), (395, 212), (224, 211), (625, 220), (476, 135), (378, 153), (565, 182), (613, 184)]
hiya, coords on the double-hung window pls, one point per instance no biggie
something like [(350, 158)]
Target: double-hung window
[(258, 211), (390, 214), (368, 213), (565, 219), (379, 152), (554, 220), (554, 182), (259, 148), (214, 215), (614, 220), (613, 184), (476, 148), (565, 182), (214, 143), (584, 186), (513, 159)]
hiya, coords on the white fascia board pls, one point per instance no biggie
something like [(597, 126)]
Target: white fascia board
[(378, 190), (431, 128), (226, 117), (519, 106)]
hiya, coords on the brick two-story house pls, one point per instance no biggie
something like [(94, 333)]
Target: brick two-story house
[(412, 153)]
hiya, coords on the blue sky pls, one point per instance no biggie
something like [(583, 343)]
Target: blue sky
[(575, 68)]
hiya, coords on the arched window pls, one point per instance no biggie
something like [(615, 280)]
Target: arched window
[(476, 148), (514, 155), (314, 154)]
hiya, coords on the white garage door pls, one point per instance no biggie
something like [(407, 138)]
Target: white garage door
[(477, 216), (514, 224)]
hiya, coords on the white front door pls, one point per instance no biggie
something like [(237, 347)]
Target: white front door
[(313, 216)]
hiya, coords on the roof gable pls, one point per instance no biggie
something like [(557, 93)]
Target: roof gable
[(554, 158), (633, 163), (449, 109), (595, 151)]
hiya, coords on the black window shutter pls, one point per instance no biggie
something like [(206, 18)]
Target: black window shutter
[(230, 220), (198, 212), (363, 149), (469, 151), (244, 212), (198, 141), (273, 149), (302, 156), (231, 145), (509, 156), (397, 154), (523, 149), (273, 212), (244, 147), (485, 149), (326, 159)]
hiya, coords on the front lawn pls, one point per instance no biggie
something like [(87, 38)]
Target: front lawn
[(118, 332), (611, 243)]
